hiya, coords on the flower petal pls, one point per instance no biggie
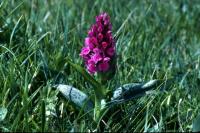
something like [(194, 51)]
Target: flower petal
[(91, 68), (93, 40), (104, 66), (96, 58), (88, 43), (97, 51), (85, 51), (106, 59), (100, 36), (104, 44), (110, 51)]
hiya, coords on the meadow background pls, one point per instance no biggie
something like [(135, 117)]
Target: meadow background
[(156, 39)]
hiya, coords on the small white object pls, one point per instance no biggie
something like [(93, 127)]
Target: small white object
[(103, 103), (150, 83)]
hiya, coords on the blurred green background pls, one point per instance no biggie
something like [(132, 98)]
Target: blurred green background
[(155, 39)]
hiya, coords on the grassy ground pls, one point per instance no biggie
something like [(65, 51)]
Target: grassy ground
[(155, 40)]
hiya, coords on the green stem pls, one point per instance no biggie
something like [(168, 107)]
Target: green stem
[(97, 109), (98, 97)]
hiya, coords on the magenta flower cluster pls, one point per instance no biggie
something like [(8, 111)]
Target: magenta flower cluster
[(99, 48)]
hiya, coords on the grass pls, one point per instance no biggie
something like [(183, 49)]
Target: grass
[(155, 40)]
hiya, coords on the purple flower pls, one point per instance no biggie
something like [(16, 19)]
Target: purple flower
[(99, 48), (91, 68), (110, 51), (85, 51), (96, 58), (103, 66)]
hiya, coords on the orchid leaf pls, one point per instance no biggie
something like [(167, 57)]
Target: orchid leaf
[(133, 90), (76, 96)]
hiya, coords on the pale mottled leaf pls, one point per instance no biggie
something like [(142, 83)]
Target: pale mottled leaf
[(3, 112), (76, 96)]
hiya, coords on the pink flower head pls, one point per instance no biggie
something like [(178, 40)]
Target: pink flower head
[(99, 49)]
